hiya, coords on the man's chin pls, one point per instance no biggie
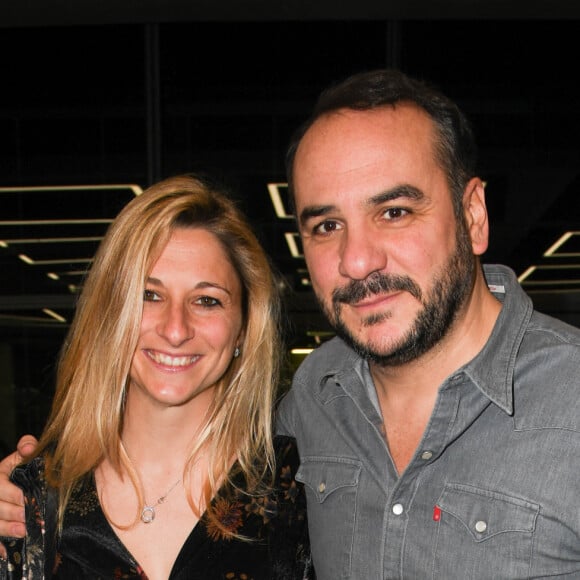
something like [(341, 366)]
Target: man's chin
[(370, 346)]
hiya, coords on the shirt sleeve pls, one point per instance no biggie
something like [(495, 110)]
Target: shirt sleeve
[(285, 416)]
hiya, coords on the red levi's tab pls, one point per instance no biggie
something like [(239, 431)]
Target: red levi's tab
[(436, 513)]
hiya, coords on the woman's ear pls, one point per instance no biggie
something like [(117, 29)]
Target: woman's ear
[(475, 212)]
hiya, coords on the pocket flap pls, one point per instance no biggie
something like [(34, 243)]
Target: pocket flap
[(486, 513), (325, 475)]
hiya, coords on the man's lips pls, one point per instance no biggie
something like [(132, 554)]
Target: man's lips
[(374, 301)]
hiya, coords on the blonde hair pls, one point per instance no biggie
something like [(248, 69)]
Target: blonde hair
[(86, 419)]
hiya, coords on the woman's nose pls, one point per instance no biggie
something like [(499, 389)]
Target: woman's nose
[(176, 326)]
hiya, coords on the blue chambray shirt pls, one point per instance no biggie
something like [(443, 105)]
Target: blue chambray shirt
[(493, 490)]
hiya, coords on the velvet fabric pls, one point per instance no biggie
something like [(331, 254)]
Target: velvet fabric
[(89, 548)]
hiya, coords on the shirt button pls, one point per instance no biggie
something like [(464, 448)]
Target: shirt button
[(480, 526), (398, 509), (321, 487), (426, 455)]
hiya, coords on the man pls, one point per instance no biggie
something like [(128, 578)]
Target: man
[(439, 434), (439, 431)]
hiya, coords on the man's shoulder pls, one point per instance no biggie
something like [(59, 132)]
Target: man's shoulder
[(554, 330), (546, 379)]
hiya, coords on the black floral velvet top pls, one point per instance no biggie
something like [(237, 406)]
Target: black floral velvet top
[(90, 549)]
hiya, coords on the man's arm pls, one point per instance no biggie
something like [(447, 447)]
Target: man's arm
[(284, 418), (11, 498)]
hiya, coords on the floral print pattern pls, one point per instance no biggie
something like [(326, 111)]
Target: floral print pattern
[(273, 542)]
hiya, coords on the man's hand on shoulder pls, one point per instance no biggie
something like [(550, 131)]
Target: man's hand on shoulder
[(11, 498)]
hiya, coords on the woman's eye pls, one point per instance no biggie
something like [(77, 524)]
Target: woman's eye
[(208, 301), (151, 296)]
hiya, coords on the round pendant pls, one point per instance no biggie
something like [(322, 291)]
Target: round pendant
[(147, 514)]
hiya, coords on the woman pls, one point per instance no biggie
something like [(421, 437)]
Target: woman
[(157, 460)]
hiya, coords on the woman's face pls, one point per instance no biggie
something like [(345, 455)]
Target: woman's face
[(192, 320)]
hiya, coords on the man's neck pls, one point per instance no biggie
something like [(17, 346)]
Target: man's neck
[(407, 393)]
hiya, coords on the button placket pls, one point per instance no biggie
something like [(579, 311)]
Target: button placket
[(398, 509)]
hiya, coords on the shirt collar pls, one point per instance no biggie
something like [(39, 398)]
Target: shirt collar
[(492, 370)]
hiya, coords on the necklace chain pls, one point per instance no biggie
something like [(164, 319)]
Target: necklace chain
[(148, 511)]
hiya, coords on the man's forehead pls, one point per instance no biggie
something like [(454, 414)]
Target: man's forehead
[(347, 126)]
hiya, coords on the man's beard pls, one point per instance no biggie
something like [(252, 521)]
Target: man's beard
[(451, 287)]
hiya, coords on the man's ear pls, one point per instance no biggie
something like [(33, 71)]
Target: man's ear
[(475, 212)]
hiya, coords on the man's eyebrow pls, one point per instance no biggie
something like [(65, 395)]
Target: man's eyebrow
[(404, 190), (397, 192), (313, 211)]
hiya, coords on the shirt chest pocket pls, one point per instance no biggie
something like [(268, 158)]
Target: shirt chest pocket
[(489, 533), (331, 485)]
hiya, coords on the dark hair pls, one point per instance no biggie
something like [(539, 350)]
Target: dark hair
[(455, 147)]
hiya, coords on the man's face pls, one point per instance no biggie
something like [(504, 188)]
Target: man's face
[(389, 263)]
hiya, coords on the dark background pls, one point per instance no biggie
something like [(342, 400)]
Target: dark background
[(125, 93)]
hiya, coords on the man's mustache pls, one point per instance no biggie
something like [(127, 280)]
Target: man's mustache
[(377, 283)]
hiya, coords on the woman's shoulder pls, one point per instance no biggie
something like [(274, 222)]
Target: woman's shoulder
[(29, 476)]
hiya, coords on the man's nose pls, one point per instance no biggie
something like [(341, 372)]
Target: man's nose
[(361, 254)]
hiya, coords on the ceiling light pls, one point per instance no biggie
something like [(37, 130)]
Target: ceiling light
[(274, 189), (552, 251), (301, 351), (53, 222), (54, 315), (26, 259), (32, 262), (293, 243), (526, 274), (111, 186), (569, 278), (7, 242)]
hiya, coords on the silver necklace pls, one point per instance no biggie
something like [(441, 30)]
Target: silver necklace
[(148, 511)]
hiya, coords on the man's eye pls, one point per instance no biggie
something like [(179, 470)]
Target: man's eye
[(151, 296), (394, 213), (326, 227)]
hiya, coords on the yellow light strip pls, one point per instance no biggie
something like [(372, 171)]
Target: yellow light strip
[(27, 260), (556, 282), (40, 188), (274, 191), (54, 314), (292, 245), (53, 222), (551, 251), (301, 351), (6, 242), (526, 274)]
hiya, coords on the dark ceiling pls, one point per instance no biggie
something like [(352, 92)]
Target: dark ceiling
[(125, 95)]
